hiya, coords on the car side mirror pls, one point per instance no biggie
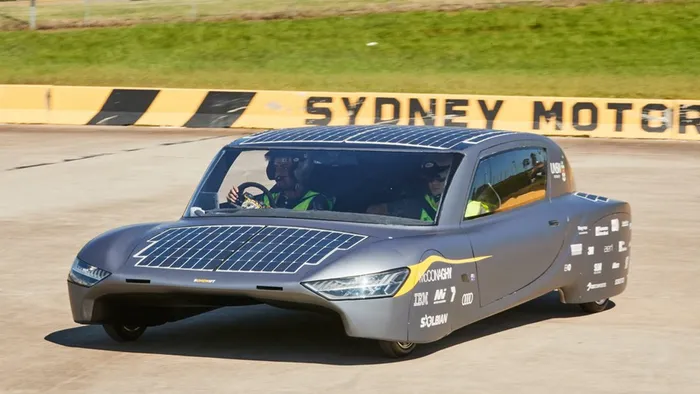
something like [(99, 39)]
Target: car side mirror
[(207, 200)]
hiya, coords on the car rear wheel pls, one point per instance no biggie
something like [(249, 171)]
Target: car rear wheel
[(396, 349), (124, 332), (596, 306)]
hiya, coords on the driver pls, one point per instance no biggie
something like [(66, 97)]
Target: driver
[(291, 171)]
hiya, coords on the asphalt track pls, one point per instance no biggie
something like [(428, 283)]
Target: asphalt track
[(648, 342)]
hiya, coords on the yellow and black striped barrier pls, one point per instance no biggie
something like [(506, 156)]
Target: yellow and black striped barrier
[(265, 109)]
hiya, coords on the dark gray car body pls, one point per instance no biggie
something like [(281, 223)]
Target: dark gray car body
[(472, 268)]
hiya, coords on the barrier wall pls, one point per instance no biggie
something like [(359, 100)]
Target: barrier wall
[(592, 117)]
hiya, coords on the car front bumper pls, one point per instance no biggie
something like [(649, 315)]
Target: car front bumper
[(115, 300)]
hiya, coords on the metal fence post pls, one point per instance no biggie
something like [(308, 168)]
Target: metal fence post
[(32, 14)]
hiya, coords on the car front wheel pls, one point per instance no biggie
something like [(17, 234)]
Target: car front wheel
[(396, 349), (124, 332), (596, 306)]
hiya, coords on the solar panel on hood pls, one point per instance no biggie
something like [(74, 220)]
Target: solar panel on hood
[(242, 248)]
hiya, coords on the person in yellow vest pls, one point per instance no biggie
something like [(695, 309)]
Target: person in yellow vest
[(476, 208), (290, 170), (479, 204), (433, 174)]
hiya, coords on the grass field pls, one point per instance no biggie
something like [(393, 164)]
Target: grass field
[(610, 49)]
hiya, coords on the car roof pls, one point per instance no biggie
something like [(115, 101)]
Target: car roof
[(411, 137)]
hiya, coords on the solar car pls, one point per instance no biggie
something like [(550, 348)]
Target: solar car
[(406, 233)]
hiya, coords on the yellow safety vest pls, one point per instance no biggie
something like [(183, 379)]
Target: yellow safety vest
[(425, 215), (475, 208), (303, 205)]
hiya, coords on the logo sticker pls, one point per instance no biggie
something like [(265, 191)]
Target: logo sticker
[(467, 299), (591, 250), (619, 281), (576, 249), (622, 246), (436, 274), (557, 169), (440, 296), (615, 225), (601, 231), (431, 321), (597, 268), (420, 299), (592, 286)]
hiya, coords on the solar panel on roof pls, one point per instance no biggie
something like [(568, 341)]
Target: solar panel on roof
[(271, 249), (591, 197), (418, 136), (433, 137), (307, 134), (485, 136)]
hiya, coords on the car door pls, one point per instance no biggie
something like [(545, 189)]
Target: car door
[(521, 230)]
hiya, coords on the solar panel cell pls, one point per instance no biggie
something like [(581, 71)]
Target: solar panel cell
[(271, 249)]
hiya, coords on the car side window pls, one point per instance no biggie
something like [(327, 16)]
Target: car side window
[(508, 180)]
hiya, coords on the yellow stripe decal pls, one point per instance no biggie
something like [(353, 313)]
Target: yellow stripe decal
[(417, 270)]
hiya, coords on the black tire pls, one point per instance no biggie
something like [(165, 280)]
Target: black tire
[(396, 349), (596, 306), (124, 332)]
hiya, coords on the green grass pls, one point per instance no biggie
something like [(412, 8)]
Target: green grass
[(611, 49)]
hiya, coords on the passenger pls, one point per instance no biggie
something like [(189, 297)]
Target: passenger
[(476, 208), (433, 175), (290, 170)]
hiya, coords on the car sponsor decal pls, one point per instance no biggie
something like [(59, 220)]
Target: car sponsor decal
[(421, 272), (467, 298), (431, 321), (597, 268), (591, 286), (615, 225), (576, 249), (621, 246), (558, 170)]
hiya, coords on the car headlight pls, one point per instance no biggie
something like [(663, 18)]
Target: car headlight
[(382, 284), (84, 274)]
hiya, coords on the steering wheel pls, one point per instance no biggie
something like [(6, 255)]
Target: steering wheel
[(246, 185)]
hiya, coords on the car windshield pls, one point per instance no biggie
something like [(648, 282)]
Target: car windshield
[(372, 186)]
